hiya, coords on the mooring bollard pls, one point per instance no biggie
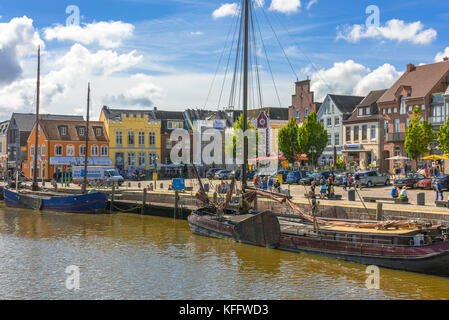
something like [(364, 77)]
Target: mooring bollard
[(176, 204), (379, 212), (144, 200), (421, 199), (351, 195), (139, 185)]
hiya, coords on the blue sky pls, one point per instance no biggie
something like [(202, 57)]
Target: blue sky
[(165, 53)]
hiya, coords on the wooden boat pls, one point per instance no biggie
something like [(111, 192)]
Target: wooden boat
[(405, 245), (83, 203)]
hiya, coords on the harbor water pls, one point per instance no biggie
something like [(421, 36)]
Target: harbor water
[(127, 256)]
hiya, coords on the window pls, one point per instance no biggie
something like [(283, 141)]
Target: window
[(104, 151), (337, 139), (397, 124), (81, 131), (423, 107), (373, 132), (119, 138), (395, 110), (348, 134), (70, 151), (131, 159), (170, 125), (168, 144), (356, 133), (329, 122), (385, 128), (389, 110), (98, 132), (410, 109), (152, 158), (384, 111), (32, 150), (306, 114), (130, 138), (94, 151), (142, 139), (43, 150), (152, 139), (63, 131), (368, 111), (364, 132), (402, 109), (360, 112), (329, 140), (58, 150), (82, 150), (298, 114), (142, 159), (337, 121)]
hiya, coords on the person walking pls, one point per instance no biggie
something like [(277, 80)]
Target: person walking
[(345, 182), (438, 190)]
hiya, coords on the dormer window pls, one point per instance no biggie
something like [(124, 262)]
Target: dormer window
[(63, 130), (368, 111), (81, 131), (98, 131), (360, 112)]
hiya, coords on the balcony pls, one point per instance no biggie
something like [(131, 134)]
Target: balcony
[(396, 137)]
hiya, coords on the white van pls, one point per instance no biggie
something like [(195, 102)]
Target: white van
[(101, 174)]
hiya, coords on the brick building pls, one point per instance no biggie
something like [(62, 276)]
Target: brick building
[(303, 102), (419, 86)]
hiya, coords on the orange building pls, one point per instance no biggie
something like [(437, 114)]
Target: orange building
[(62, 145)]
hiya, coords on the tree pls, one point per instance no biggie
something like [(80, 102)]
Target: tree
[(231, 149), (289, 141), (312, 138), (443, 137), (418, 137)]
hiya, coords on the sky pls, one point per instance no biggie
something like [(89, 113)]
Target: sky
[(172, 54)]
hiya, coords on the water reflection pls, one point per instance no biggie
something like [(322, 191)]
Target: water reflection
[(125, 256)]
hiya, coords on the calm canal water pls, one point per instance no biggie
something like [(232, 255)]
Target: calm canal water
[(125, 256)]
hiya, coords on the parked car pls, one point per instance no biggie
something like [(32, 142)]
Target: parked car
[(312, 177), (236, 174), (296, 176), (338, 181), (373, 178), (444, 179), (423, 184), (211, 172), (223, 174), (409, 181)]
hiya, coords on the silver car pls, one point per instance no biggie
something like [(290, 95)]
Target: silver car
[(373, 178)]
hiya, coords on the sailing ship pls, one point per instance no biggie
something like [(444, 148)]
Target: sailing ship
[(405, 245), (92, 202)]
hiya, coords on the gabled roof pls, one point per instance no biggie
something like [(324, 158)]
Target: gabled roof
[(52, 132), (372, 98), (116, 114), (272, 113), (25, 121), (421, 80), (346, 104)]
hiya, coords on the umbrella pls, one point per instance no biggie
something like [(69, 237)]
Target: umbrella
[(434, 157), (398, 158)]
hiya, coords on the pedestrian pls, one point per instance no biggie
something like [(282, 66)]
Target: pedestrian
[(350, 181), (323, 190), (394, 192), (270, 184), (312, 187), (403, 194), (256, 181), (345, 182), (277, 186), (438, 189), (356, 180)]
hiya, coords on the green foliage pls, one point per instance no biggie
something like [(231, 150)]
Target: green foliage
[(340, 163), (231, 149), (418, 137), (312, 138), (288, 141), (443, 137)]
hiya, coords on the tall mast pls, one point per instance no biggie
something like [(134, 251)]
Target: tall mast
[(245, 96), (36, 132), (86, 156)]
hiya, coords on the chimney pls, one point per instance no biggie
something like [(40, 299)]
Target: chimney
[(445, 59), (155, 108), (411, 67)]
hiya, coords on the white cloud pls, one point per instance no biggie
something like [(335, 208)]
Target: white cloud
[(441, 55), (311, 3), (196, 33), (285, 6), (394, 29), (228, 9), (106, 34), (18, 39), (351, 78), (142, 94)]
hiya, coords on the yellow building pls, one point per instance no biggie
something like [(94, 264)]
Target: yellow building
[(135, 139)]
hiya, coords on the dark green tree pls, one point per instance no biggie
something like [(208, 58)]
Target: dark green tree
[(288, 141), (312, 138), (443, 137), (418, 136)]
